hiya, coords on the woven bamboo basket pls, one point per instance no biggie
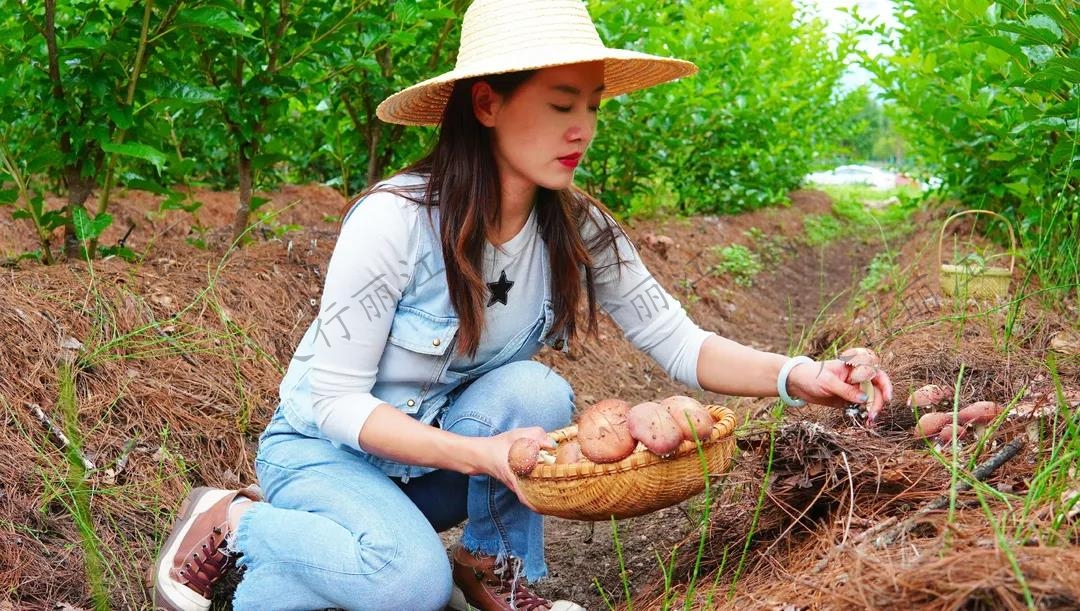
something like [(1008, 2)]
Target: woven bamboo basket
[(638, 484), (982, 282)]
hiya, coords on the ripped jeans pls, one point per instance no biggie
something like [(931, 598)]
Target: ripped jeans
[(336, 532)]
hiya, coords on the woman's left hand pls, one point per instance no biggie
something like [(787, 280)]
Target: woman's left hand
[(825, 383)]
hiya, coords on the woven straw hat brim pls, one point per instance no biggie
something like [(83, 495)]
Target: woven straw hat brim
[(624, 72)]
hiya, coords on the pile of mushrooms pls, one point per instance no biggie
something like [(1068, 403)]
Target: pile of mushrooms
[(940, 425), (611, 430)]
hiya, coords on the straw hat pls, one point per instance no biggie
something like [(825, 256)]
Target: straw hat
[(499, 36)]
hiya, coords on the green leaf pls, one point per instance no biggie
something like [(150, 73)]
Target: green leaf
[(1039, 54), (52, 219), (258, 202), (1062, 152), (1028, 34), (120, 115), (1019, 188), (8, 196), (440, 13), (1000, 42), (406, 12), (87, 228), (261, 162), (187, 92), (1045, 23), (179, 201), (212, 18), (140, 151), (83, 42), (120, 5), (1065, 19), (133, 181), (123, 252)]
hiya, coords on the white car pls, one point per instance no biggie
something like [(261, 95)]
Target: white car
[(855, 175)]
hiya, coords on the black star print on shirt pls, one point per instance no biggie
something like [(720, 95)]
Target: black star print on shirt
[(499, 290)]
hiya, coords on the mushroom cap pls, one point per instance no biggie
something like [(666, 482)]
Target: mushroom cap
[(861, 373), (603, 431), (568, 452), (523, 455), (860, 356), (979, 412), (931, 423), (945, 435), (930, 394), (692, 417), (652, 424)]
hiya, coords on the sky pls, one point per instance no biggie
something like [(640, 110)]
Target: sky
[(837, 20)]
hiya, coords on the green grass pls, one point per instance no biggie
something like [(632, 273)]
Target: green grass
[(867, 193), (739, 262), (883, 271), (74, 493), (1009, 515), (821, 229), (770, 248)]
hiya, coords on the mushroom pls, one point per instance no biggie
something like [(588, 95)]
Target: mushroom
[(945, 435), (652, 424), (604, 433), (693, 419), (931, 423), (863, 365), (928, 395), (568, 452), (523, 455), (979, 414)]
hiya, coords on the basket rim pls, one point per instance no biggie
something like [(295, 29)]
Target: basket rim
[(723, 427), (975, 271)]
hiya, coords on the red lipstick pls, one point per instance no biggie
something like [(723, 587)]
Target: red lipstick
[(570, 161)]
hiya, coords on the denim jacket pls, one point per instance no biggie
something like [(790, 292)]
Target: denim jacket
[(413, 371)]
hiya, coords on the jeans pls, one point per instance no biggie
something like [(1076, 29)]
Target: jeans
[(335, 531)]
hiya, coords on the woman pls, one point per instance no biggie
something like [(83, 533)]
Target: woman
[(404, 396)]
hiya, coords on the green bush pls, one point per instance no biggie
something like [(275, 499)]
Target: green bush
[(986, 94), (247, 95), (739, 134)]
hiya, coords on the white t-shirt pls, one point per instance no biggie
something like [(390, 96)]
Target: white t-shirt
[(513, 273), (378, 241)]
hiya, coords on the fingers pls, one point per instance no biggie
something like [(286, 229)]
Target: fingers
[(884, 384), (882, 389), (850, 393)]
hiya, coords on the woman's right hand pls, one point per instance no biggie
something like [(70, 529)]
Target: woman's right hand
[(497, 466)]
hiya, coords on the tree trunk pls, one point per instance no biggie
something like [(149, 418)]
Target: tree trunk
[(374, 168), (79, 189), (243, 204)]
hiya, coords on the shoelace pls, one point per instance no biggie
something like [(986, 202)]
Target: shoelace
[(519, 597), (205, 566)]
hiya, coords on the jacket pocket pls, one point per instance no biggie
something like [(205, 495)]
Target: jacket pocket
[(419, 331), (417, 358)]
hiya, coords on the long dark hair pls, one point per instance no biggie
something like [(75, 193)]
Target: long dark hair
[(463, 182)]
